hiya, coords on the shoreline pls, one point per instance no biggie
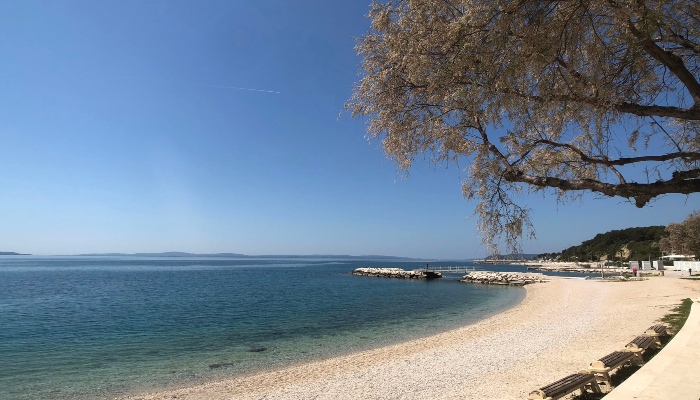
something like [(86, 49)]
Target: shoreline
[(559, 328)]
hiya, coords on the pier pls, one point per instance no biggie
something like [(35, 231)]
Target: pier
[(455, 269), (502, 262)]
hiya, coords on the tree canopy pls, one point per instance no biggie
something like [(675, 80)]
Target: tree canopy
[(683, 238), (565, 97)]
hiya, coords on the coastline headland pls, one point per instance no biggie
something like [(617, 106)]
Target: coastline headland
[(396, 273)]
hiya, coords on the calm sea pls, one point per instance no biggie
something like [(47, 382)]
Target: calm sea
[(95, 327)]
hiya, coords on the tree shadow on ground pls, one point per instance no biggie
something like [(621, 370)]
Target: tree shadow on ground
[(675, 319)]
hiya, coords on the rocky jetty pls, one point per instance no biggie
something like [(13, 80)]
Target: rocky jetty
[(502, 278), (396, 273)]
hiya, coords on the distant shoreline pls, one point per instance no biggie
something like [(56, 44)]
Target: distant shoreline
[(11, 253), (237, 255)]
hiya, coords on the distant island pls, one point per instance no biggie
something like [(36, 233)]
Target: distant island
[(12, 253), (237, 255)]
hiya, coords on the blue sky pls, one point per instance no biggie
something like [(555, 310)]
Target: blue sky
[(126, 126)]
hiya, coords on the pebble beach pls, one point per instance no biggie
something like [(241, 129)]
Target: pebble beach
[(559, 328)]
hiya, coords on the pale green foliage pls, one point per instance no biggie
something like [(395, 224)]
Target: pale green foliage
[(683, 238), (570, 96)]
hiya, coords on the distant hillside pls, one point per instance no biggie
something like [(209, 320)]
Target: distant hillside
[(167, 254), (11, 253), (237, 255), (639, 243)]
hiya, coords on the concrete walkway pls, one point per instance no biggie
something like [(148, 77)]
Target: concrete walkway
[(674, 373)]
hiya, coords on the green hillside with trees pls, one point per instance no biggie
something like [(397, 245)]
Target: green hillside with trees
[(641, 243)]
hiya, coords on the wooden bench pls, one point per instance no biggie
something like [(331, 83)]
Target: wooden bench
[(656, 331), (603, 366), (641, 343), (566, 385)]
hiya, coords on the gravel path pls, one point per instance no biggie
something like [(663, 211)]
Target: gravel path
[(559, 328)]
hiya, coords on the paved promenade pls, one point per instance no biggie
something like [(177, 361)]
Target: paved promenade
[(674, 373)]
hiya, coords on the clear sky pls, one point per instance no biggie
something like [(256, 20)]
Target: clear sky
[(212, 126)]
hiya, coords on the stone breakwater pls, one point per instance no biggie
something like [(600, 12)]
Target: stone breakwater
[(396, 273), (502, 278)]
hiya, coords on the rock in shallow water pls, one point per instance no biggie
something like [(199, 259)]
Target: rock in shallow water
[(219, 365)]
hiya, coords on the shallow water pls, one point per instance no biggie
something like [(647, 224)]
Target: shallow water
[(94, 327)]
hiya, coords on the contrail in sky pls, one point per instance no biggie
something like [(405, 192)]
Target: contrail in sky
[(203, 84), (242, 88)]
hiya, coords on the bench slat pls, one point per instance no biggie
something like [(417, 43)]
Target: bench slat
[(566, 384), (615, 358), (641, 341), (658, 329)]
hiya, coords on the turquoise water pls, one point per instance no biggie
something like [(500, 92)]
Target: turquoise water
[(95, 327)]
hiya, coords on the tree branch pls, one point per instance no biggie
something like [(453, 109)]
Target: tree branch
[(671, 61), (604, 160), (492, 148), (680, 40), (689, 114), (685, 182)]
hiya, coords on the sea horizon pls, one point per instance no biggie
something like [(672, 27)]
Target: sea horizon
[(99, 327)]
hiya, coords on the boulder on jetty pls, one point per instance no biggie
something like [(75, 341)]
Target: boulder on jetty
[(396, 273), (502, 278)]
